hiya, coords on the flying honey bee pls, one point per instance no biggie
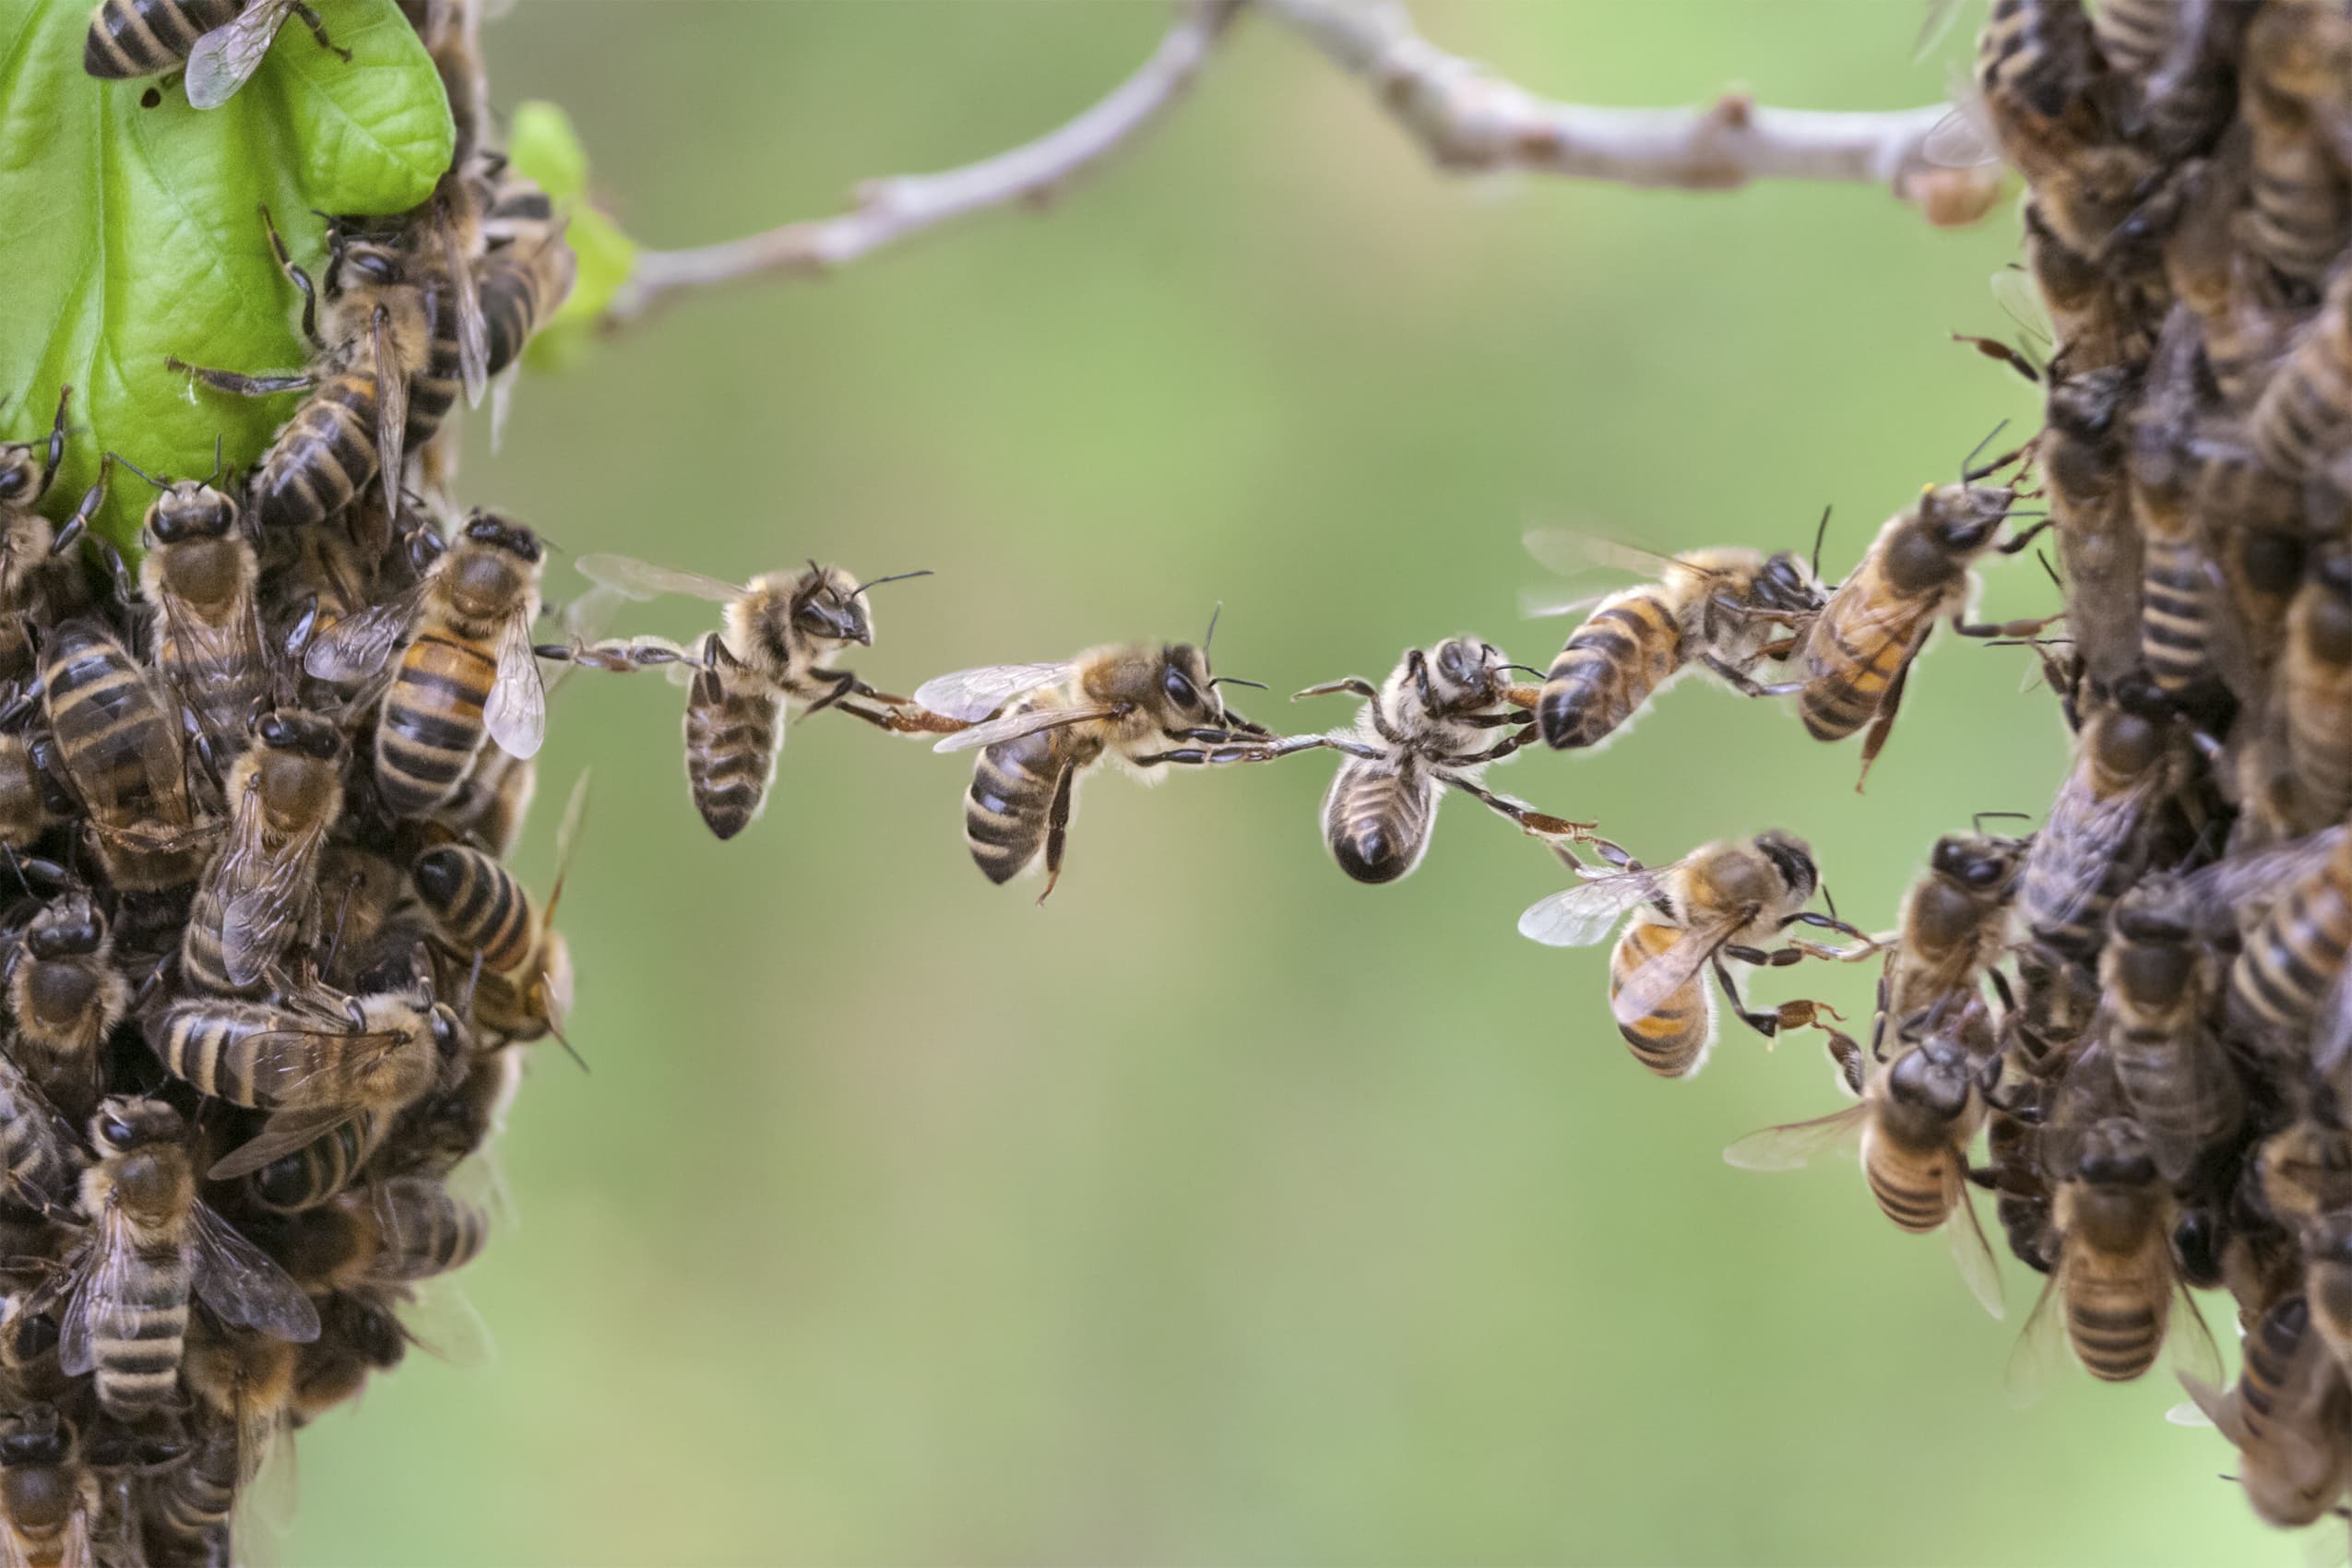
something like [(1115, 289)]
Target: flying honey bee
[(119, 749), (49, 1500), (783, 630), (1954, 920), (153, 1245), (2114, 1283), (520, 967), (465, 668), (1723, 900), (1917, 1117), (1038, 727), (66, 994), (312, 1071), (2093, 845), (198, 574), (2287, 1414), (1727, 609), (2159, 978), (260, 891), (222, 42), (1432, 722)]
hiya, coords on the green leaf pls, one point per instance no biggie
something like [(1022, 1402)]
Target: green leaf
[(134, 231), (543, 146)]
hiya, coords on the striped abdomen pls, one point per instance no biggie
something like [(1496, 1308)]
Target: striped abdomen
[(1376, 818), (138, 37), (521, 286), (138, 1332), (241, 1052), (431, 723), (200, 956), (322, 456), (1847, 670), (222, 690), (2133, 34), (432, 390), (733, 727), (2295, 952), (2033, 54), (507, 1008), (1917, 1194), (2297, 204), (2176, 612), (322, 1168), (425, 1229), (2179, 1091), (479, 906), (41, 1166), (1672, 1041), (1011, 794), (2319, 732), (2115, 1321), (189, 1504), (122, 755), (1631, 647), (24, 802), (2302, 412)]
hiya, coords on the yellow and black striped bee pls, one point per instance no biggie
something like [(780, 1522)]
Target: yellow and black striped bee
[(30, 544), (118, 747), (2095, 842), (387, 1233), (1955, 923), (222, 42), (2159, 977), (241, 1407), (526, 268), (1726, 609), (40, 1160), (1038, 727), (1441, 718), (2305, 411), (518, 966), (50, 1501), (2286, 995), (1723, 900), (260, 893), (2289, 1414), (2292, 100), (466, 672), (66, 994), (154, 1246)]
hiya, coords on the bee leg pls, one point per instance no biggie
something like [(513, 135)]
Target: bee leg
[(118, 571), (244, 386), (318, 30), (71, 530), (1747, 685), (842, 683), (1847, 1057), (2001, 988), (1417, 665), (1540, 824), (1354, 685), (1883, 722), (56, 452), (294, 274), (1057, 830), (2025, 628), (2016, 543), (1830, 923), (1765, 1024)]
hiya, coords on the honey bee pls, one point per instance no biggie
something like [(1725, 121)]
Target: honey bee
[(521, 966), (66, 995), (2300, 208), (154, 1243), (199, 573), (2114, 1281), (49, 1500), (119, 749), (1954, 923), (2304, 1169), (261, 889), (2093, 845), (1038, 727), (1432, 722), (2179, 586), (783, 630), (2092, 325), (1723, 900), (2044, 92), (223, 41), (39, 1153), (2178, 59), (32, 799), (310, 577), (465, 668), (2081, 449), (2284, 987), (2159, 979), (357, 1336), (29, 544), (387, 1234), (2314, 712), (1857, 654), (525, 274), (2287, 1414), (2327, 1280), (1727, 609), (2305, 411), (1917, 1117), (312, 1071), (242, 1399), (322, 1168)]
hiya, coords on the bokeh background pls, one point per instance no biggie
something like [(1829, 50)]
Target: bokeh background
[(1223, 1210)]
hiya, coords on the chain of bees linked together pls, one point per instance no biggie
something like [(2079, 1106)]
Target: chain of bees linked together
[(267, 980)]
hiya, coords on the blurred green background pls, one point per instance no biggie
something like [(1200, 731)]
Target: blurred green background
[(1224, 1210)]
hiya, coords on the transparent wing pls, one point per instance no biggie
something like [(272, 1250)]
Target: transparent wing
[(391, 403), (1979, 1270), (2077, 846), (642, 579), (2216, 1404), (261, 924), (1573, 551), (515, 715), (976, 694), (1933, 27), (1871, 626), (226, 57), (1653, 984), (440, 1321), (285, 1132), (2188, 1413), (2189, 1343), (1795, 1144), (200, 645), (75, 1548), (1964, 138), (1012, 725), (356, 647), (1582, 915), (243, 1287), (1543, 604), (2041, 1349), (2246, 882), (2014, 288), (473, 332), (104, 1276)]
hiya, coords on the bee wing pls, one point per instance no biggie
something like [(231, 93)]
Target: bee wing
[(473, 332), (356, 647), (973, 695), (642, 579), (235, 645), (226, 57), (1933, 27), (567, 843), (440, 1321), (2188, 1342), (2041, 1349), (1012, 725), (1649, 986), (261, 922), (2013, 287), (1573, 551), (77, 1548), (1964, 1234), (1964, 137), (285, 1132), (1543, 604), (1582, 915), (1795, 1144), (2078, 845), (103, 1274), (243, 1287), (391, 402), (2244, 883), (515, 715)]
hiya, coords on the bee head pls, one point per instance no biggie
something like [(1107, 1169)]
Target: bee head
[(1978, 862), (1936, 1075), (360, 259), (2115, 1153), (68, 927), (1786, 582), (828, 605), (1791, 859), (1462, 672), (123, 1122), (1184, 685), (191, 509), (38, 1436), (305, 734), (499, 532), (19, 472)]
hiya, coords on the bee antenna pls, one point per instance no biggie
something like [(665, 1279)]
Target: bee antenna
[(893, 577), (569, 1049), (1979, 818), (1539, 674), (1211, 636), (1970, 474), (1820, 532), (118, 458), (1237, 680), (218, 440), (1829, 898)]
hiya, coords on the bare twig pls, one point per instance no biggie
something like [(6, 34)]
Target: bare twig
[(1472, 121), (899, 209), (1468, 119)]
